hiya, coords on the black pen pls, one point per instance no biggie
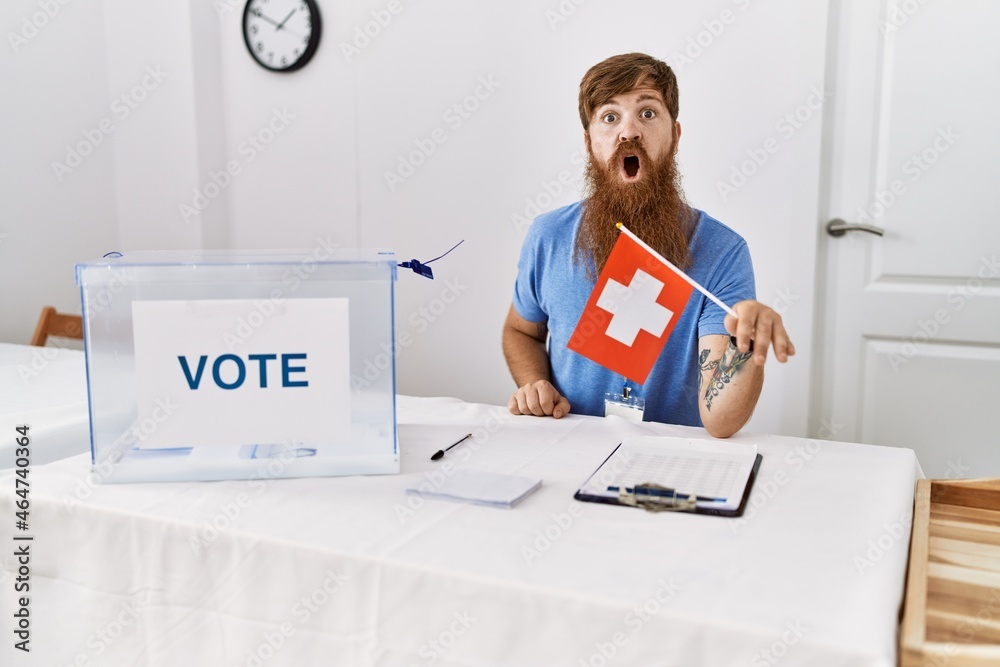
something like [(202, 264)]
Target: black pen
[(439, 453)]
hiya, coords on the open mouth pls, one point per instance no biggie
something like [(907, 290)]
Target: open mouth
[(631, 165)]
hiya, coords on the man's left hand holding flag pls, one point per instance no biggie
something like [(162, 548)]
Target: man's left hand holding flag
[(732, 374)]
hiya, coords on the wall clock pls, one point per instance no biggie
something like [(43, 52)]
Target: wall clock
[(282, 35)]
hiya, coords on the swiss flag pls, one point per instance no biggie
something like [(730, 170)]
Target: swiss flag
[(634, 307)]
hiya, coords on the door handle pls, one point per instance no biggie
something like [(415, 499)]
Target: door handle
[(838, 227)]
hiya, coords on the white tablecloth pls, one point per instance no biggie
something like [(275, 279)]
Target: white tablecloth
[(351, 571), (44, 388)]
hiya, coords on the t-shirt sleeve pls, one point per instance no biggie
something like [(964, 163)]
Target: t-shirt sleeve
[(732, 282), (527, 295)]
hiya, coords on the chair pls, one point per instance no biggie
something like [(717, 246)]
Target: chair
[(52, 323)]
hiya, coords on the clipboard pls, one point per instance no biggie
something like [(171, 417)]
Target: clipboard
[(581, 495)]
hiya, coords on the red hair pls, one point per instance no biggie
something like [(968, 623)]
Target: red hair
[(620, 74)]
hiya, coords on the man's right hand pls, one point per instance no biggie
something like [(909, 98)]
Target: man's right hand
[(538, 398)]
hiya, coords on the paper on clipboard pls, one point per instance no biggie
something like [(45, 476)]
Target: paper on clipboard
[(716, 472)]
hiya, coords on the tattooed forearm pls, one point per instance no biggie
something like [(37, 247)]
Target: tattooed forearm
[(722, 370)]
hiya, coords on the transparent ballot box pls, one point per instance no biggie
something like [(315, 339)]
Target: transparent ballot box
[(206, 365)]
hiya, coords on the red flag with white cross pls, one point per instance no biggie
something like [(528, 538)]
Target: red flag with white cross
[(637, 301)]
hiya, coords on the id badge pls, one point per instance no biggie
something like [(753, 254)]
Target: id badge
[(630, 408)]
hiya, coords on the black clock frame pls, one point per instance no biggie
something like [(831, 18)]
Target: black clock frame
[(311, 47)]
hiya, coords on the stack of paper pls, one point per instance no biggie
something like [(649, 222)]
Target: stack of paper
[(480, 488)]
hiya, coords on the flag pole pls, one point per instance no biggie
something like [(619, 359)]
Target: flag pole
[(694, 283)]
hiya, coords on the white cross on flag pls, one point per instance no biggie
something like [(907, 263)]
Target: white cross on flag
[(633, 309)]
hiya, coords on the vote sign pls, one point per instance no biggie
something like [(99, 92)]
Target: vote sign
[(242, 371)]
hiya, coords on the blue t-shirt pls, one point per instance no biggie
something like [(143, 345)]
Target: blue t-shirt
[(551, 286)]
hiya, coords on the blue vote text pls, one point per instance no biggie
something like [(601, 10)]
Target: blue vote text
[(229, 371)]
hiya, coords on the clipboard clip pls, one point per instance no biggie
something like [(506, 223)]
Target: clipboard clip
[(655, 498)]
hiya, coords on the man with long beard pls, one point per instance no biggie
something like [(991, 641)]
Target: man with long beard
[(628, 107)]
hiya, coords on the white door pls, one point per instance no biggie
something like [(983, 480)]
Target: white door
[(910, 348)]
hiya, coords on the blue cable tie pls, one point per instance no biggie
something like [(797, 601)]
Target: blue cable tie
[(421, 268)]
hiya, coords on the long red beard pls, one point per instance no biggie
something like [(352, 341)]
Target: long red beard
[(653, 208)]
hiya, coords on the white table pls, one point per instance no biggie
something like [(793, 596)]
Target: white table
[(351, 571), (46, 389)]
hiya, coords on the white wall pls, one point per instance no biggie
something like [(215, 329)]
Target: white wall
[(354, 118), (303, 185), (55, 89)]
